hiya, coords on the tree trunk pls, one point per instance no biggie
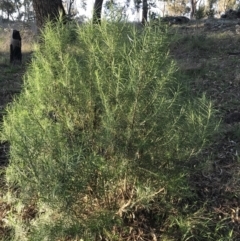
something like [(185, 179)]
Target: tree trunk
[(70, 7), (193, 8), (47, 10), (144, 11), (97, 11)]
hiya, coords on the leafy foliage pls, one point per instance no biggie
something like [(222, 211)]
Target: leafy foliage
[(103, 127)]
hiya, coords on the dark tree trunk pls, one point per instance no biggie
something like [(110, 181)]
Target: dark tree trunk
[(144, 12), (97, 11), (193, 8), (69, 7), (47, 10)]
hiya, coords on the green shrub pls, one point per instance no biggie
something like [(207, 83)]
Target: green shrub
[(103, 126), (200, 12)]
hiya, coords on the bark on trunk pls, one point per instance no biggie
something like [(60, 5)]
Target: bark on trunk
[(47, 10), (193, 8), (97, 11), (144, 12)]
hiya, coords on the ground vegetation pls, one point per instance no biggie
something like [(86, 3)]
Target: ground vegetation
[(146, 149)]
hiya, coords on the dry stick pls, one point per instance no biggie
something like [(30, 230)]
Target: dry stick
[(233, 53)]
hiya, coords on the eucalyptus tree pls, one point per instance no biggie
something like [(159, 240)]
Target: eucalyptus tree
[(193, 4), (69, 4), (117, 10), (17, 6), (7, 6), (144, 11), (28, 12), (47, 10), (97, 11), (146, 5)]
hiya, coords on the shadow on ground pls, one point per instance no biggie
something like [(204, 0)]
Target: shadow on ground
[(10, 86)]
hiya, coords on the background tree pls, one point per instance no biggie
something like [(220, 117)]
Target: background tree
[(8, 7), (28, 13), (116, 10), (97, 11), (146, 6), (144, 11), (177, 7), (45, 9), (69, 6), (223, 5), (193, 8), (17, 6)]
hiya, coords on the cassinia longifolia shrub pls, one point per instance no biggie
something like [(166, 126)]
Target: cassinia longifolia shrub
[(101, 104)]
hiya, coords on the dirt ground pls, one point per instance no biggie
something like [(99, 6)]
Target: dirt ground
[(209, 53)]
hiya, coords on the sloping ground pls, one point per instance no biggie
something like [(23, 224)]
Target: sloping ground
[(207, 52)]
